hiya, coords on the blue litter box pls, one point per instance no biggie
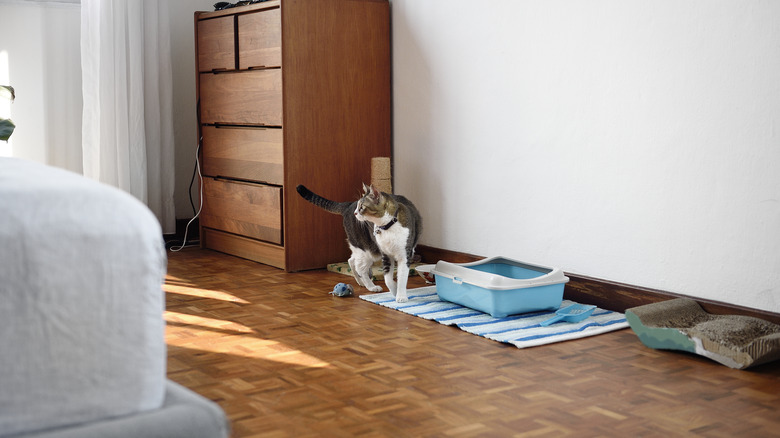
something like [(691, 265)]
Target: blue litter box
[(500, 286)]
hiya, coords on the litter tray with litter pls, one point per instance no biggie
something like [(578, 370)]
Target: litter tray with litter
[(500, 286), (736, 341)]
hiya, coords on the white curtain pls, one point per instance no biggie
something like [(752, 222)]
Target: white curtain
[(127, 124)]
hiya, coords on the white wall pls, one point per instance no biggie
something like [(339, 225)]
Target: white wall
[(185, 123), (632, 141)]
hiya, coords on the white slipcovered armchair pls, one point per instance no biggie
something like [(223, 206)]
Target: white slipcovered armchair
[(82, 346)]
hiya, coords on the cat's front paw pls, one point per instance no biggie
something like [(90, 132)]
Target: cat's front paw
[(375, 288), (401, 299)]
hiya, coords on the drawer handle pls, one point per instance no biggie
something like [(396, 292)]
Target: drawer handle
[(253, 127)]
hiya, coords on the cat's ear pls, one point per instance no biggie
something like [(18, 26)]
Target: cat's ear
[(365, 189), (375, 193)]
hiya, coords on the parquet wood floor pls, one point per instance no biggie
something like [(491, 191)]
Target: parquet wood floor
[(284, 358)]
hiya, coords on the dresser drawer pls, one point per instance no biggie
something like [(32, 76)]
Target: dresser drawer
[(251, 97), (260, 39), (252, 210), (216, 44), (253, 154), (241, 246)]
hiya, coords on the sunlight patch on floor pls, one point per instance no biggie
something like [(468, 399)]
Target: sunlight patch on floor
[(177, 286), (227, 337)]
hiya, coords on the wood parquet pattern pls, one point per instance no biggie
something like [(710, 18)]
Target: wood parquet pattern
[(284, 358)]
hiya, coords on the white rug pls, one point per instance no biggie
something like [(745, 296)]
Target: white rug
[(521, 330)]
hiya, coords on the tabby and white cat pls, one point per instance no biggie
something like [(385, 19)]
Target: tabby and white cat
[(378, 225)]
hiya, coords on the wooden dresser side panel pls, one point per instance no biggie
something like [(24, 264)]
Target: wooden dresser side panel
[(336, 78)]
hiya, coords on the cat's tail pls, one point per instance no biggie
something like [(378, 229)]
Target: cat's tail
[(319, 201)]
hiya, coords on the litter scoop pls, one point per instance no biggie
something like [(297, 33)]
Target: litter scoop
[(573, 313)]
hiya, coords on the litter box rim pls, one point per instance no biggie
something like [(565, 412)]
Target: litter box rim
[(464, 273)]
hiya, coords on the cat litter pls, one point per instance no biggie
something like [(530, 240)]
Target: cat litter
[(500, 286)]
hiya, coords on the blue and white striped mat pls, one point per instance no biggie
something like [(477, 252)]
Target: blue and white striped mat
[(520, 330)]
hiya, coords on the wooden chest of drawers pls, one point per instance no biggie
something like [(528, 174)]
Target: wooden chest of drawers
[(289, 92)]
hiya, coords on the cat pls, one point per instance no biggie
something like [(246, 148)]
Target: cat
[(378, 226)]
